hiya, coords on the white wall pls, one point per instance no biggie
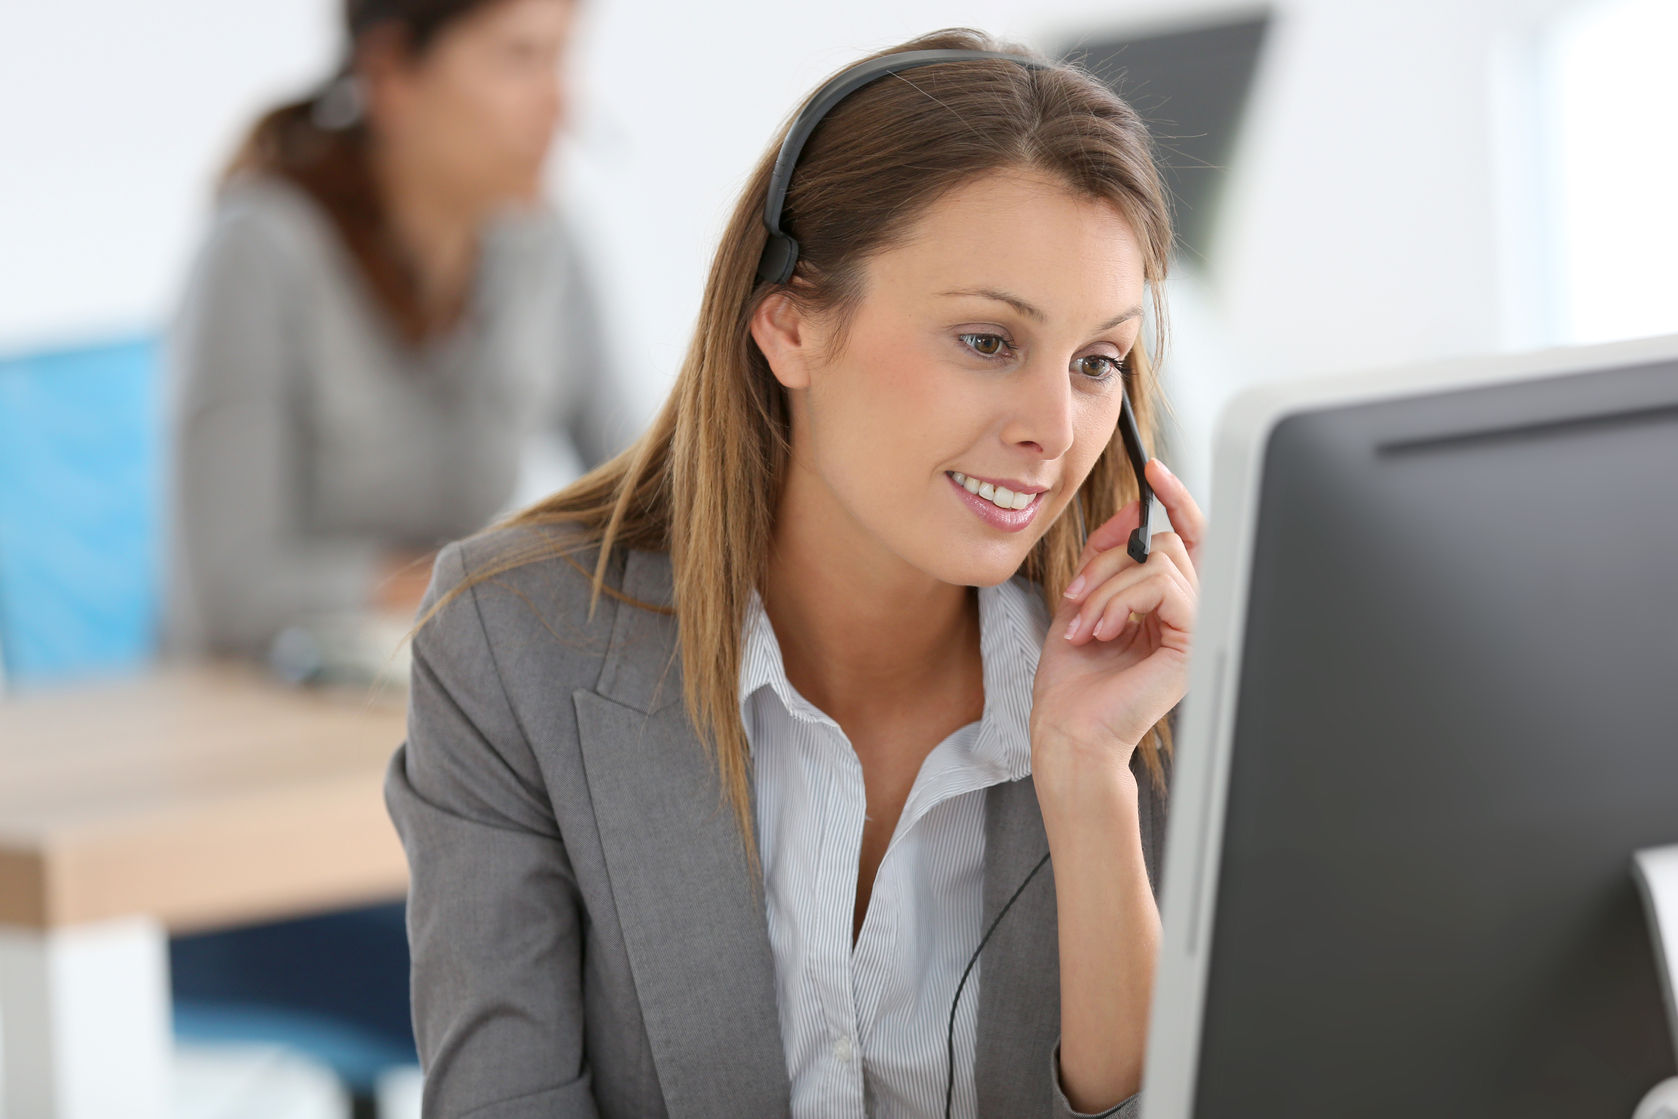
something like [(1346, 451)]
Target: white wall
[(1615, 178), (1369, 206), (113, 117)]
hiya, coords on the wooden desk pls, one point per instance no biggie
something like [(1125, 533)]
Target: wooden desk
[(187, 799)]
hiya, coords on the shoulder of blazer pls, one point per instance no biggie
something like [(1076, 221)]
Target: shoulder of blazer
[(536, 616)]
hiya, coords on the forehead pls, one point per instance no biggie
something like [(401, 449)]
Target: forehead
[(1020, 230)]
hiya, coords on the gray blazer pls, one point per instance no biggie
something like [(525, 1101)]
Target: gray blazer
[(585, 936)]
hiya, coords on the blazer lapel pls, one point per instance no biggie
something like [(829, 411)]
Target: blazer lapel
[(1019, 971), (692, 922)]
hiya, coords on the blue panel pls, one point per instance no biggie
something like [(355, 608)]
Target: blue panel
[(80, 502)]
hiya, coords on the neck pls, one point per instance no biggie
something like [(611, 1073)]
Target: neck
[(436, 229), (864, 635)]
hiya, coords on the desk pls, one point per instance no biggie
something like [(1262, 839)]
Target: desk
[(178, 801)]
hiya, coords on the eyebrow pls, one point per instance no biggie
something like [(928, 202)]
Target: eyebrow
[(1032, 312)]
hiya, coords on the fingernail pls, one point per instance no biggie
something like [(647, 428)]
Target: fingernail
[(1076, 586), (1165, 468), (1073, 628)]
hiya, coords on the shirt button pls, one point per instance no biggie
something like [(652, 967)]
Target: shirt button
[(843, 1049)]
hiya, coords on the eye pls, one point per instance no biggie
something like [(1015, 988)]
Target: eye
[(989, 345), (523, 51), (1107, 368)]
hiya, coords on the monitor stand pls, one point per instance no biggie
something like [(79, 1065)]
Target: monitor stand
[(1656, 872)]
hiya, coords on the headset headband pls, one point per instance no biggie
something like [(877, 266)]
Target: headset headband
[(781, 251)]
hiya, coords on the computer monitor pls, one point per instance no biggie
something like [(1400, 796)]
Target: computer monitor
[(1432, 713)]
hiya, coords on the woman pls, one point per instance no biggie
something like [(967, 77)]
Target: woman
[(787, 601), (381, 319)]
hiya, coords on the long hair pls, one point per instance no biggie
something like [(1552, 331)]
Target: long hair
[(320, 144), (703, 480)]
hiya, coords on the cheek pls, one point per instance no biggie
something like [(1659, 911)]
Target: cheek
[(522, 106), (1098, 429), (480, 117), (451, 132), (907, 406)]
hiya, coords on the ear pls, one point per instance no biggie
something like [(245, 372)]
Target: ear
[(382, 61), (785, 336)]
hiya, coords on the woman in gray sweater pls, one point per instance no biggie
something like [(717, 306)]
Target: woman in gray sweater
[(382, 324), (379, 326)]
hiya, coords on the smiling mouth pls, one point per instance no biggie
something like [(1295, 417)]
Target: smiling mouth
[(1001, 497)]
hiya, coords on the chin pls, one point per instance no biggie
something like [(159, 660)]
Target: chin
[(985, 567)]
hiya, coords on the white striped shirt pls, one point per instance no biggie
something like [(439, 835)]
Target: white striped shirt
[(864, 1029)]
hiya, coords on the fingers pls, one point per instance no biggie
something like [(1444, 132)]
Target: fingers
[(1102, 566), (1158, 585), (1173, 545), (1186, 516), (1111, 533)]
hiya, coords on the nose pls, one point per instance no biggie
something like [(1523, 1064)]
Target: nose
[(545, 120), (1041, 417), (558, 102)]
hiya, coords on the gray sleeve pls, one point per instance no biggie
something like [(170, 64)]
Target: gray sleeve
[(494, 914), (237, 471), (602, 419)]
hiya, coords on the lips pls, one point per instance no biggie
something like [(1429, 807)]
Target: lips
[(1007, 520)]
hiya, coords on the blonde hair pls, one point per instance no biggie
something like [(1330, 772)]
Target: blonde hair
[(702, 482)]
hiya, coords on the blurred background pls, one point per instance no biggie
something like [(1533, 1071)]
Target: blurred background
[(188, 836)]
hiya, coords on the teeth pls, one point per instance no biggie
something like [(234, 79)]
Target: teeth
[(1000, 496)]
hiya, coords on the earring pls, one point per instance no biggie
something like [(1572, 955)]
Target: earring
[(340, 105)]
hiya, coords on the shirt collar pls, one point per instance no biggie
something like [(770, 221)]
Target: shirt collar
[(1013, 623)]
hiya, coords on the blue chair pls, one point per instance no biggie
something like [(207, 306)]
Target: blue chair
[(81, 550), (334, 985), (80, 489)]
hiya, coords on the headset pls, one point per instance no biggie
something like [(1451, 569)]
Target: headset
[(775, 265)]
